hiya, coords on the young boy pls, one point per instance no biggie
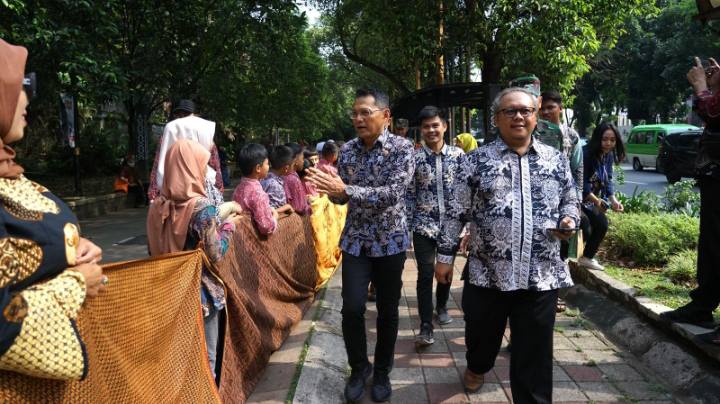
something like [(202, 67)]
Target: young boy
[(294, 188), (330, 153), (253, 162), (281, 161)]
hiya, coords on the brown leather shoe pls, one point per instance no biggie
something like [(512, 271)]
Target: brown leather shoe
[(473, 381)]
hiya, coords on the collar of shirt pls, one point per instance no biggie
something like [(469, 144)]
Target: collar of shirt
[(248, 180), (443, 151), (378, 143), (503, 147), (272, 176)]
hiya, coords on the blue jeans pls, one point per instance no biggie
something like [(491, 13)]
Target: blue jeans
[(212, 324)]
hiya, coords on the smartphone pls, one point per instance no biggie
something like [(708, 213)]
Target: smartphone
[(708, 67), (563, 230)]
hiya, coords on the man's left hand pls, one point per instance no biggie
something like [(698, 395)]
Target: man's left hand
[(327, 183), (565, 223), (88, 252)]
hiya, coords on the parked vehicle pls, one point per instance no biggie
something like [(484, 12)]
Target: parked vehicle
[(677, 153), (644, 140)]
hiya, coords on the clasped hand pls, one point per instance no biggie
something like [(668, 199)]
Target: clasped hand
[(326, 183)]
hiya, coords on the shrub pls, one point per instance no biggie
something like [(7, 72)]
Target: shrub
[(650, 239), (681, 267), (640, 202), (681, 197)]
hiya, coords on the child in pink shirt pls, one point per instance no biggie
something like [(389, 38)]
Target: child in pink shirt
[(249, 194), (294, 187), (329, 156)]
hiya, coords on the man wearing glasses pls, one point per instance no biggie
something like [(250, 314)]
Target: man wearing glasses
[(374, 171), (521, 200)]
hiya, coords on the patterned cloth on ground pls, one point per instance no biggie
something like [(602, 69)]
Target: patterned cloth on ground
[(270, 283)]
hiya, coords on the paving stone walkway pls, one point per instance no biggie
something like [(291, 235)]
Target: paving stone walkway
[(587, 368)]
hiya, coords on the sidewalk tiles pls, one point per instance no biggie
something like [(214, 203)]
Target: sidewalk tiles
[(587, 368)]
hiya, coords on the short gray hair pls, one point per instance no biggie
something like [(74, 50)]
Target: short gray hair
[(495, 107)]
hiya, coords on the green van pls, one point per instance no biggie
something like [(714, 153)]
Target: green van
[(641, 146)]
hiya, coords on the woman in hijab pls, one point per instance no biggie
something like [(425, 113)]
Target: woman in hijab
[(46, 269), (190, 127), (182, 217), (466, 142)]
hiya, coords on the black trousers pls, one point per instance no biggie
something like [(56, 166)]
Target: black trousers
[(386, 274), (598, 224), (706, 296), (532, 318), (425, 251)]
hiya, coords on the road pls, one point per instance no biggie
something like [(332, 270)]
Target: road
[(643, 180)]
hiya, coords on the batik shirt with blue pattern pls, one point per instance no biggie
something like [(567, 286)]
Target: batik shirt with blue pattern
[(429, 195), (511, 202), (376, 181)]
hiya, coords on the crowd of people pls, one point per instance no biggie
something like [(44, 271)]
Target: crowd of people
[(510, 205)]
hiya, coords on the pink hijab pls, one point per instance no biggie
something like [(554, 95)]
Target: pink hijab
[(170, 213)]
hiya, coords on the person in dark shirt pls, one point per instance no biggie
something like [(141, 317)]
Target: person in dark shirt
[(706, 297)]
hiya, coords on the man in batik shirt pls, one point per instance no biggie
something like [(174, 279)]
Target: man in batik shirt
[(428, 198), (374, 170), (520, 199)]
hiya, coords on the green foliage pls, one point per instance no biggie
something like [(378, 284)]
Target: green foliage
[(618, 175), (650, 239), (681, 197), (640, 202), (681, 268), (654, 48), (553, 39), (251, 66)]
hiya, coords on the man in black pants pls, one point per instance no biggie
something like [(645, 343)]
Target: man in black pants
[(519, 196), (374, 171), (428, 197), (706, 297)]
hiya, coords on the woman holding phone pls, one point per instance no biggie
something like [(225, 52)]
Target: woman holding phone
[(604, 149)]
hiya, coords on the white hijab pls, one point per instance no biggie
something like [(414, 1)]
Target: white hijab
[(192, 128)]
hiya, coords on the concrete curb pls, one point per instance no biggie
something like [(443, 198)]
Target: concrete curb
[(649, 309), (692, 379), (88, 207), (324, 372)]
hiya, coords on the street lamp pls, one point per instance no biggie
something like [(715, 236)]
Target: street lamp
[(708, 10)]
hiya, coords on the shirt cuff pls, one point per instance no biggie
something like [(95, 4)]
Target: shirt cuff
[(445, 259)]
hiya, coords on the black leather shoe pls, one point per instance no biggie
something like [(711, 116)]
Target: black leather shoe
[(381, 388), (355, 387), (689, 315)]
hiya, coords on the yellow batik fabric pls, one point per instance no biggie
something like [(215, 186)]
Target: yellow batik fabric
[(48, 345), (23, 199), (328, 221)]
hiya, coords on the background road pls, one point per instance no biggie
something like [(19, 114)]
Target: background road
[(643, 180)]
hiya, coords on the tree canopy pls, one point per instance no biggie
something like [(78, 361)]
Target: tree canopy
[(253, 66), (408, 44)]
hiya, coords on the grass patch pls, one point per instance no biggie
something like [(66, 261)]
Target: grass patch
[(654, 285)]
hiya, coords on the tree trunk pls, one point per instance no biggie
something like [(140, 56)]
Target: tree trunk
[(440, 61), (492, 66)]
